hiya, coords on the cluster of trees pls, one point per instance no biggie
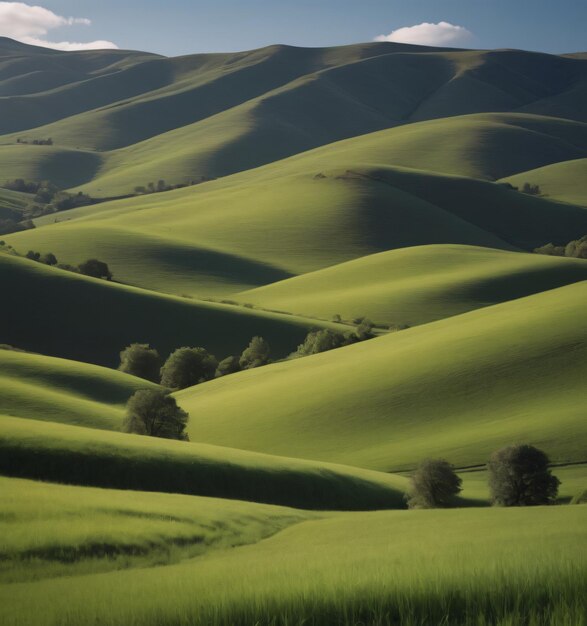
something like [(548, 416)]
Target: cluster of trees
[(531, 190), (10, 225), (48, 198), (161, 186), (186, 367), (519, 475), (91, 267), (36, 142), (323, 340), (576, 249)]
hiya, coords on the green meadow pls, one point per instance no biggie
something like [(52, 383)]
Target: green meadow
[(386, 197)]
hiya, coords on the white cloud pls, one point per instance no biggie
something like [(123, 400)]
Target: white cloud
[(29, 24), (427, 34)]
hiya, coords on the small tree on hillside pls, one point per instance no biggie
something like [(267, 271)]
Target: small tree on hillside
[(139, 359), (96, 269), (256, 354), (320, 341), (229, 365), (187, 367), (519, 476), (434, 484), (155, 413), (49, 259)]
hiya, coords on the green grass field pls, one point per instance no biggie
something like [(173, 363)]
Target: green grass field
[(378, 568), (377, 180)]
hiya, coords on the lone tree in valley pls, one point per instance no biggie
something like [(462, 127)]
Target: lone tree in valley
[(96, 269), (155, 413), (187, 367), (139, 359), (433, 485), (519, 476), (256, 354)]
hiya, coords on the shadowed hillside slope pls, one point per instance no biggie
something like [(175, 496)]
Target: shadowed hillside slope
[(63, 314), (45, 388), (43, 450), (458, 388)]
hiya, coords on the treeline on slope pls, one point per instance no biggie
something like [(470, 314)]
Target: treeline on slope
[(47, 198), (90, 267), (161, 186), (189, 366), (575, 249), (519, 475)]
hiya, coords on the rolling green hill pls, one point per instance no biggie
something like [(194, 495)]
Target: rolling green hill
[(57, 390), (73, 525), (48, 451), (458, 388), (213, 115), (268, 224), (565, 181), (63, 314), (417, 285)]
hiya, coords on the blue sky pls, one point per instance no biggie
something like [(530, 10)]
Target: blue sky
[(176, 27)]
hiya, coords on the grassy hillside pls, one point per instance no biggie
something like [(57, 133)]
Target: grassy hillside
[(84, 456), (81, 530), (417, 285), (268, 224), (251, 135), (346, 570), (63, 166), (56, 390), (195, 116), (564, 181), (63, 314), (458, 388)]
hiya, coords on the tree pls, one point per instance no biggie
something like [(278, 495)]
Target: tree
[(519, 476), (187, 367), (33, 256), (532, 190), (364, 329), (49, 259), (256, 354), (155, 413), (96, 269), (434, 484), (229, 365), (139, 359), (320, 341)]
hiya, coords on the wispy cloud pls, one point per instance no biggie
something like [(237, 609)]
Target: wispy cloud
[(29, 24), (427, 34)]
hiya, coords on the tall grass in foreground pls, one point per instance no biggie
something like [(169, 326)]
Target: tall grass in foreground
[(468, 567)]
